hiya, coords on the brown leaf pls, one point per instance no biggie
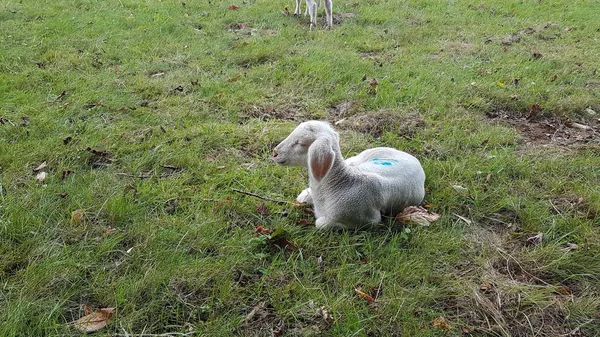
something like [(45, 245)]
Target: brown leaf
[(536, 55), (553, 78), (262, 209), (40, 166), (234, 79), (417, 215), (488, 177), (77, 217), (63, 195), (441, 323), (534, 110), (364, 295), (262, 230), (40, 177), (65, 174), (485, 286), (233, 8), (563, 290), (373, 83), (285, 11), (94, 321), (304, 222), (25, 121)]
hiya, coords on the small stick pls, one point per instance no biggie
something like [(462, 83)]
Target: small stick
[(260, 196)]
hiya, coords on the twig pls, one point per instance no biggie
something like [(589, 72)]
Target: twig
[(260, 196)]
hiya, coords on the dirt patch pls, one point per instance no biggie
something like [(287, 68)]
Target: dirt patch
[(377, 123), (573, 204), (503, 309), (538, 129), (290, 113), (506, 295), (261, 320), (340, 17), (343, 109)]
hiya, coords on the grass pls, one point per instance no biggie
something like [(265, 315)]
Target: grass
[(168, 105)]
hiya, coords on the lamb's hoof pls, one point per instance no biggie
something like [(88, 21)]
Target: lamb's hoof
[(305, 197), (324, 223)]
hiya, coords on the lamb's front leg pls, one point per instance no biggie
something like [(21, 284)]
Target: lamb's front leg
[(305, 197), (297, 11), (329, 13), (312, 12)]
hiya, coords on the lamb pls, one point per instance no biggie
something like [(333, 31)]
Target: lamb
[(311, 9), (354, 191)]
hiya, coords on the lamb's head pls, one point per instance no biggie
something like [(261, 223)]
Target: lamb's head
[(293, 151)]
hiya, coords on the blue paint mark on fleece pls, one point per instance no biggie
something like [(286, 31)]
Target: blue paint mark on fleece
[(385, 162)]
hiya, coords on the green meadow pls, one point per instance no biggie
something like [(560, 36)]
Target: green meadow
[(128, 128)]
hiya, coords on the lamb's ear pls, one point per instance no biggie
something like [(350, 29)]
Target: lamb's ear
[(320, 158)]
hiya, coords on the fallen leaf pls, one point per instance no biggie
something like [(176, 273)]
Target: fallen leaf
[(466, 329), (485, 286), (500, 84), (417, 215), (65, 174), (364, 295), (234, 79), (488, 177), (63, 195), (534, 110), (262, 209), (279, 239), (563, 290), (441, 323), (262, 230), (280, 329), (569, 247), (25, 121), (285, 11), (259, 307), (40, 177), (553, 78), (536, 239), (233, 8), (40, 166), (536, 55), (459, 188), (94, 321), (373, 83), (304, 222), (77, 217)]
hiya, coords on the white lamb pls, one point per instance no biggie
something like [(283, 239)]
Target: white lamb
[(311, 9), (354, 191)]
